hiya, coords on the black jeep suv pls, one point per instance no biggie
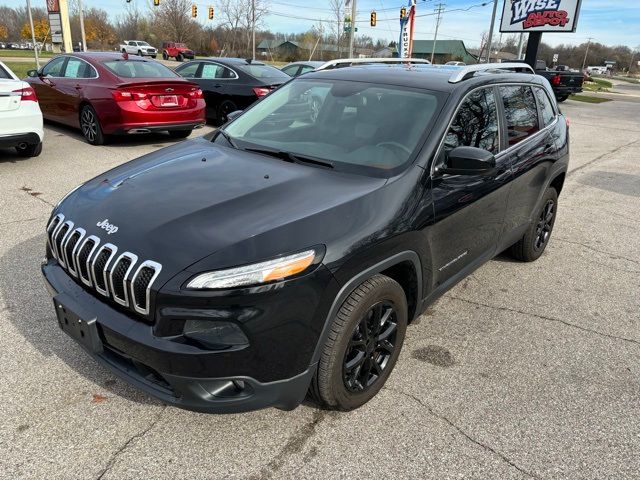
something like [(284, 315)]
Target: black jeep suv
[(288, 251)]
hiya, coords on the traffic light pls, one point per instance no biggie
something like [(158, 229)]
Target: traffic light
[(156, 3), (373, 19), (403, 13), (210, 13), (194, 10)]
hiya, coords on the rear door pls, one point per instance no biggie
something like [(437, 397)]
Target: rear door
[(221, 88), (469, 209)]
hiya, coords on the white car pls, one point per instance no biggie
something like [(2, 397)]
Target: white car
[(138, 47), (20, 115)]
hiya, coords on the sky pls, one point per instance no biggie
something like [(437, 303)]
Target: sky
[(612, 22)]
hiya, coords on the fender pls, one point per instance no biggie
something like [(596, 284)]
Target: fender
[(353, 283)]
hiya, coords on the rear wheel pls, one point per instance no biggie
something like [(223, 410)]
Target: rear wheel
[(90, 125), (179, 133), (363, 345), (562, 98), (180, 57), (533, 243), (32, 150), (224, 109)]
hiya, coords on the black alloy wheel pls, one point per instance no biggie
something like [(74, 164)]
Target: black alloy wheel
[(90, 125), (371, 346), (545, 225), (224, 110), (534, 242)]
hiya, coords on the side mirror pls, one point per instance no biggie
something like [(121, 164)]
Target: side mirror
[(33, 73), (233, 115), (469, 161)]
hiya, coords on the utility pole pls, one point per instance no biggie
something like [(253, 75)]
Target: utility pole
[(439, 9), (33, 35), (253, 26), (584, 62), (493, 22), (352, 32), (84, 37), (520, 45)]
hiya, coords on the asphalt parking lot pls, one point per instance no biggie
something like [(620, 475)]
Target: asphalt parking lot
[(521, 371)]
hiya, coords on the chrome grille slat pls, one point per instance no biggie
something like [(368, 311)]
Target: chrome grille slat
[(117, 283), (135, 302), (103, 270), (118, 277)]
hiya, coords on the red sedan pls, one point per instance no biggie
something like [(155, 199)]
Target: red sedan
[(111, 93)]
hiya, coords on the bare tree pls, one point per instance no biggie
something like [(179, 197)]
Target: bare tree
[(173, 19), (337, 11), (231, 13), (247, 19)]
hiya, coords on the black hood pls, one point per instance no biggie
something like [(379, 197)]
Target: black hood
[(188, 201)]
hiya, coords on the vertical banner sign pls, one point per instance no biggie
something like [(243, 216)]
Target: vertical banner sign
[(540, 16), (55, 22), (405, 46)]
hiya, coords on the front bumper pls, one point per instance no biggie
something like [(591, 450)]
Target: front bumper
[(158, 365)]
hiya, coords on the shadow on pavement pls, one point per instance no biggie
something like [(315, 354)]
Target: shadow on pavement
[(616, 182), (30, 310)]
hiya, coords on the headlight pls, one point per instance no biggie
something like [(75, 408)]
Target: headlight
[(256, 274)]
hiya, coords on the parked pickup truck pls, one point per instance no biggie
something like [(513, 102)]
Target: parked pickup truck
[(138, 47), (563, 82)]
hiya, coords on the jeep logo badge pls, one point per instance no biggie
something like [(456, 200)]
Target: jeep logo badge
[(109, 227)]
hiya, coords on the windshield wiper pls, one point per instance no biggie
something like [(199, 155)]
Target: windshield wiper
[(290, 157), (228, 138)]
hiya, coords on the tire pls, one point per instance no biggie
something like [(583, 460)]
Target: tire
[(562, 98), (32, 150), (124, 51), (355, 363), (180, 57), (531, 246), (179, 133), (90, 126), (165, 56), (223, 110), (139, 53), (154, 56)]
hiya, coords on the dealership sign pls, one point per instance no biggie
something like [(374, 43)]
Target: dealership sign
[(540, 16), (407, 20)]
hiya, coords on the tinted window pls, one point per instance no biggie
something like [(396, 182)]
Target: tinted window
[(263, 71), (305, 69), (213, 70), (476, 124), (521, 113), (548, 114), (76, 68), (291, 70), (138, 69), (357, 126), (189, 70), (54, 67)]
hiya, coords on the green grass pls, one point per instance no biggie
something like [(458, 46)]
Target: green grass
[(627, 79), (589, 99), (598, 85), (20, 68), (23, 54)]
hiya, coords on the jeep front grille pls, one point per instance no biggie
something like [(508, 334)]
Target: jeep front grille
[(95, 265)]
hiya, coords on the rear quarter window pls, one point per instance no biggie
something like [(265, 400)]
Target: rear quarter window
[(548, 113), (263, 71)]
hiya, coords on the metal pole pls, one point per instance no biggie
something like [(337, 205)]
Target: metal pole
[(352, 32), (493, 21), (253, 26), (439, 9), (33, 35), (584, 62), (84, 37), (520, 45)]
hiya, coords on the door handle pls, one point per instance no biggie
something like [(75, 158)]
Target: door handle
[(78, 87)]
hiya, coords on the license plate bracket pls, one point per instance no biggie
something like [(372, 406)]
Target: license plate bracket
[(168, 100), (82, 330)]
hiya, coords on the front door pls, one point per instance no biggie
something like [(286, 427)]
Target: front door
[(469, 210), (47, 89)]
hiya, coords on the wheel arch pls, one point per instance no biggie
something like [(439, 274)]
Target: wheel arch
[(558, 182), (403, 267)]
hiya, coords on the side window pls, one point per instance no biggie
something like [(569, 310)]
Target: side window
[(476, 123), (76, 68), (224, 72), (291, 70), (189, 70), (521, 113), (54, 67), (548, 114), (5, 74), (305, 69), (210, 70)]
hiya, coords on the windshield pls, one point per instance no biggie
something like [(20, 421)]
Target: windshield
[(181, 45), (139, 69), (263, 71), (144, 44), (356, 126)]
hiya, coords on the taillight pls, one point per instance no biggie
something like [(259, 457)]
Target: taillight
[(261, 91), (556, 80), (196, 94), (124, 96), (27, 94)]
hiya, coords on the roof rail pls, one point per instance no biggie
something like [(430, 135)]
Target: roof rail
[(468, 71), (355, 61)]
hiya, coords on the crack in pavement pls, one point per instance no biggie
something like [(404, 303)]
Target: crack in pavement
[(604, 252), (22, 221), (600, 157), (116, 454), (543, 317), (484, 446), (294, 445)]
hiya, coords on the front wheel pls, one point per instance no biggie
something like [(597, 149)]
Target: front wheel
[(363, 345), (531, 246), (90, 125), (165, 56), (562, 98), (179, 133), (154, 56), (180, 57), (32, 150)]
